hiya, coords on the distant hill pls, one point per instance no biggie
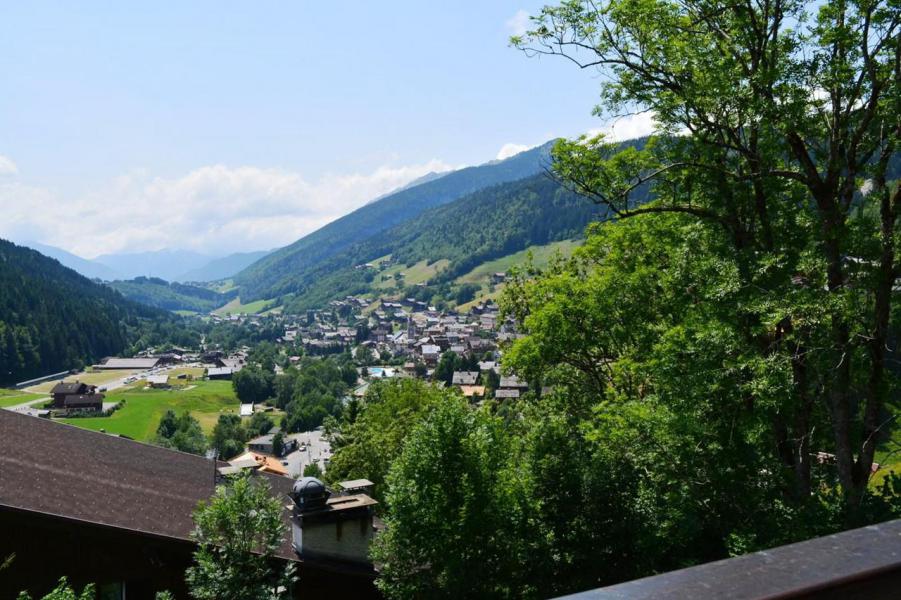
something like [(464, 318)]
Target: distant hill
[(446, 242), (223, 268), (166, 264), (53, 319), (84, 266), (171, 296), (287, 270)]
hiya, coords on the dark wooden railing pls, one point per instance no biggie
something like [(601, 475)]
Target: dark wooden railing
[(862, 563)]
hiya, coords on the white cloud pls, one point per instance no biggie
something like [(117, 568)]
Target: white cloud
[(214, 209), (628, 127), (508, 150), (518, 24), (7, 166)]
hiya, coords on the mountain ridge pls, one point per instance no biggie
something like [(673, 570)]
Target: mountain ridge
[(280, 272)]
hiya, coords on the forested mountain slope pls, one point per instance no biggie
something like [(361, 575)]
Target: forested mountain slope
[(483, 226), (285, 270), (52, 318), (171, 296)]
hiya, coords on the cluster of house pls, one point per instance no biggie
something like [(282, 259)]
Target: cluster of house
[(76, 396), (407, 328), (411, 330)]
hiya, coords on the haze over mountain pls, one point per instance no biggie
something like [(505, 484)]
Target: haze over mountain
[(89, 268), (165, 264), (223, 268)]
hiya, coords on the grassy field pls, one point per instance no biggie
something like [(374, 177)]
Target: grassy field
[(418, 273), (481, 275), (140, 416), (99, 378), (235, 307), (13, 397), (888, 455), (541, 257)]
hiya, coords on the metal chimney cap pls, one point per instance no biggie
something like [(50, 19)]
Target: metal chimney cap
[(308, 486)]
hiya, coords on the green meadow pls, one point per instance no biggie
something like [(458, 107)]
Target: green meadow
[(13, 397), (144, 407)]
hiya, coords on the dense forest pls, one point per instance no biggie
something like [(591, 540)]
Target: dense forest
[(159, 293), (286, 270), (53, 319)]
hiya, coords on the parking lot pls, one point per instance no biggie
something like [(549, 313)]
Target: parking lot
[(313, 448)]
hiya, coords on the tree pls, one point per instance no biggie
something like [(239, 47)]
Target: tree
[(368, 442), (363, 355), (181, 433), (278, 444), (449, 511), (785, 119), (252, 384), (447, 364), (260, 424), (284, 387), (238, 533), (491, 380), (312, 470), (229, 436)]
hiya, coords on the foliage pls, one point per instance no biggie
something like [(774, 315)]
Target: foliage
[(253, 384), (63, 591), (702, 347), (789, 261), (370, 437), (260, 424), (181, 433), (447, 364), (238, 532), (278, 444), (448, 504), (229, 436), (312, 470), (313, 391)]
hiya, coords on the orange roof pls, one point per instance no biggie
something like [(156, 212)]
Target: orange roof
[(267, 464), (472, 390)]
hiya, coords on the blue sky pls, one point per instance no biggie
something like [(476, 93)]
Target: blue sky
[(229, 126)]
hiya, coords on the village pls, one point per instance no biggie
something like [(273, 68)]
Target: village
[(386, 338)]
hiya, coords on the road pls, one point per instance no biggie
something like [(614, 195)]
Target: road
[(315, 448)]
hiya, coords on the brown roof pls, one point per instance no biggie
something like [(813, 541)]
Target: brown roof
[(71, 387), (83, 475)]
